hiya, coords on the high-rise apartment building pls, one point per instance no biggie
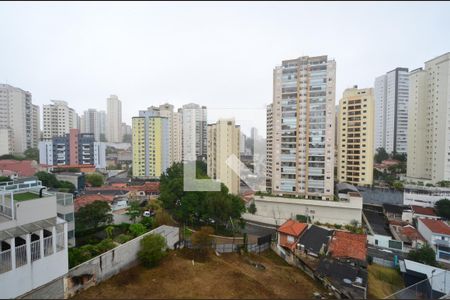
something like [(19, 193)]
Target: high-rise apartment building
[(59, 118), (223, 141), (150, 144), (74, 148), (391, 111), (429, 121), (114, 119), (102, 124), (269, 143), (355, 142), (303, 120), (175, 130), (91, 123), (19, 118), (126, 130), (194, 124)]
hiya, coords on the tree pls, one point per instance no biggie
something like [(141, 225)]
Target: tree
[(137, 229), (380, 155), (202, 239), (252, 208), (399, 156), (32, 153), (66, 186), (4, 178), (95, 179), (109, 231), (93, 215), (443, 208), (443, 183), (397, 185), (425, 255), (48, 179), (162, 218), (152, 250), (133, 211)]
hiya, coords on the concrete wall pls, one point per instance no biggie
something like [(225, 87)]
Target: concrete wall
[(110, 263), (277, 210)]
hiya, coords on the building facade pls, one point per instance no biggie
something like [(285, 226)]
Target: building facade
[(391, 111), (303, 120), (73, 149), (355, 142), (33, 239), (223, 142), (90, 123), (59, 118), (114, 119), (150, 144), (194, 132), (269, 145), (429, 115), (19, 119)]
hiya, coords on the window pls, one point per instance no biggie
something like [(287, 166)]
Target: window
[(290, 239)]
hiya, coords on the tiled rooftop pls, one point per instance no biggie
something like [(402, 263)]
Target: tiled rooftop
[(346, 244)]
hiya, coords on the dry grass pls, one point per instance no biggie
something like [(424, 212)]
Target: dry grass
[(383, 281), (227, 276)]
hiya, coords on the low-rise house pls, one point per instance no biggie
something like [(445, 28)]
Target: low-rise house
[(346, 280), (289, 233), (19, 168), (33, 239), (408, 234), (84, 200), (437, 234), (424, 195), (378, 228), (315, 240), (414, 212), (345, 245)]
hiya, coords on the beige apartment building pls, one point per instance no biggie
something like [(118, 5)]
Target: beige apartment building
[(223, 140), (301, 144), (429, 121), (356, 137), (114, 119), (59, 118)]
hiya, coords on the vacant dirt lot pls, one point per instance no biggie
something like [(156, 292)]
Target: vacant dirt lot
[(227, 276)]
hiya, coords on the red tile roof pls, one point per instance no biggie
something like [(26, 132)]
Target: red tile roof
[(147, 187), (436, 226), (88, 199), (292, 227), (346, 244), (428, 211), (23, 168), (411, 232)]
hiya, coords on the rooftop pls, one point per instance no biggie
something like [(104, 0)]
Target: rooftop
[(428, 211), (436, 226), (21, 167), (377, 221), (88, 199), (292, 227), (391, 208), (315, 237), (346, 244)]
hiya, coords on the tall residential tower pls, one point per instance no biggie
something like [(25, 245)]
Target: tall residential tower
[(391, 111), (114, 119), (303, 121), (59, 118)]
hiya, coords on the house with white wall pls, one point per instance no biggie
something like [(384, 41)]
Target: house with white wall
[(33, 239), (437, 234)]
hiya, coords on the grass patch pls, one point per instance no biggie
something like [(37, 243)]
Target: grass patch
[(383, 281), (25, 196)]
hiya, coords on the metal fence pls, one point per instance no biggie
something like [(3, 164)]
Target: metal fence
[(228, 248), (48, 246), (21, 255), (434, 287), (5, 261), (35, 250)]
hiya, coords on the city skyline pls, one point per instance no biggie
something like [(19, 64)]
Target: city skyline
[(112, 58)]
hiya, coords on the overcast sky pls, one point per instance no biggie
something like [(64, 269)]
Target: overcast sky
[(216, 54)]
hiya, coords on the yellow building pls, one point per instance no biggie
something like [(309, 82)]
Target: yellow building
[(355, 142), (150, 141), (223, 141)]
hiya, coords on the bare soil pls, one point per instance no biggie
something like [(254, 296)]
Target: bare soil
[(225, 276)]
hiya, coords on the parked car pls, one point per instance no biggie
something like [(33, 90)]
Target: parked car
[(149, 213)]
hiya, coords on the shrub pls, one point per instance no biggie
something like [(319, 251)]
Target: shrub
[(152, 250), (123, 238), (201, 239), (105, 245), (137, 229), (147, 222)]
